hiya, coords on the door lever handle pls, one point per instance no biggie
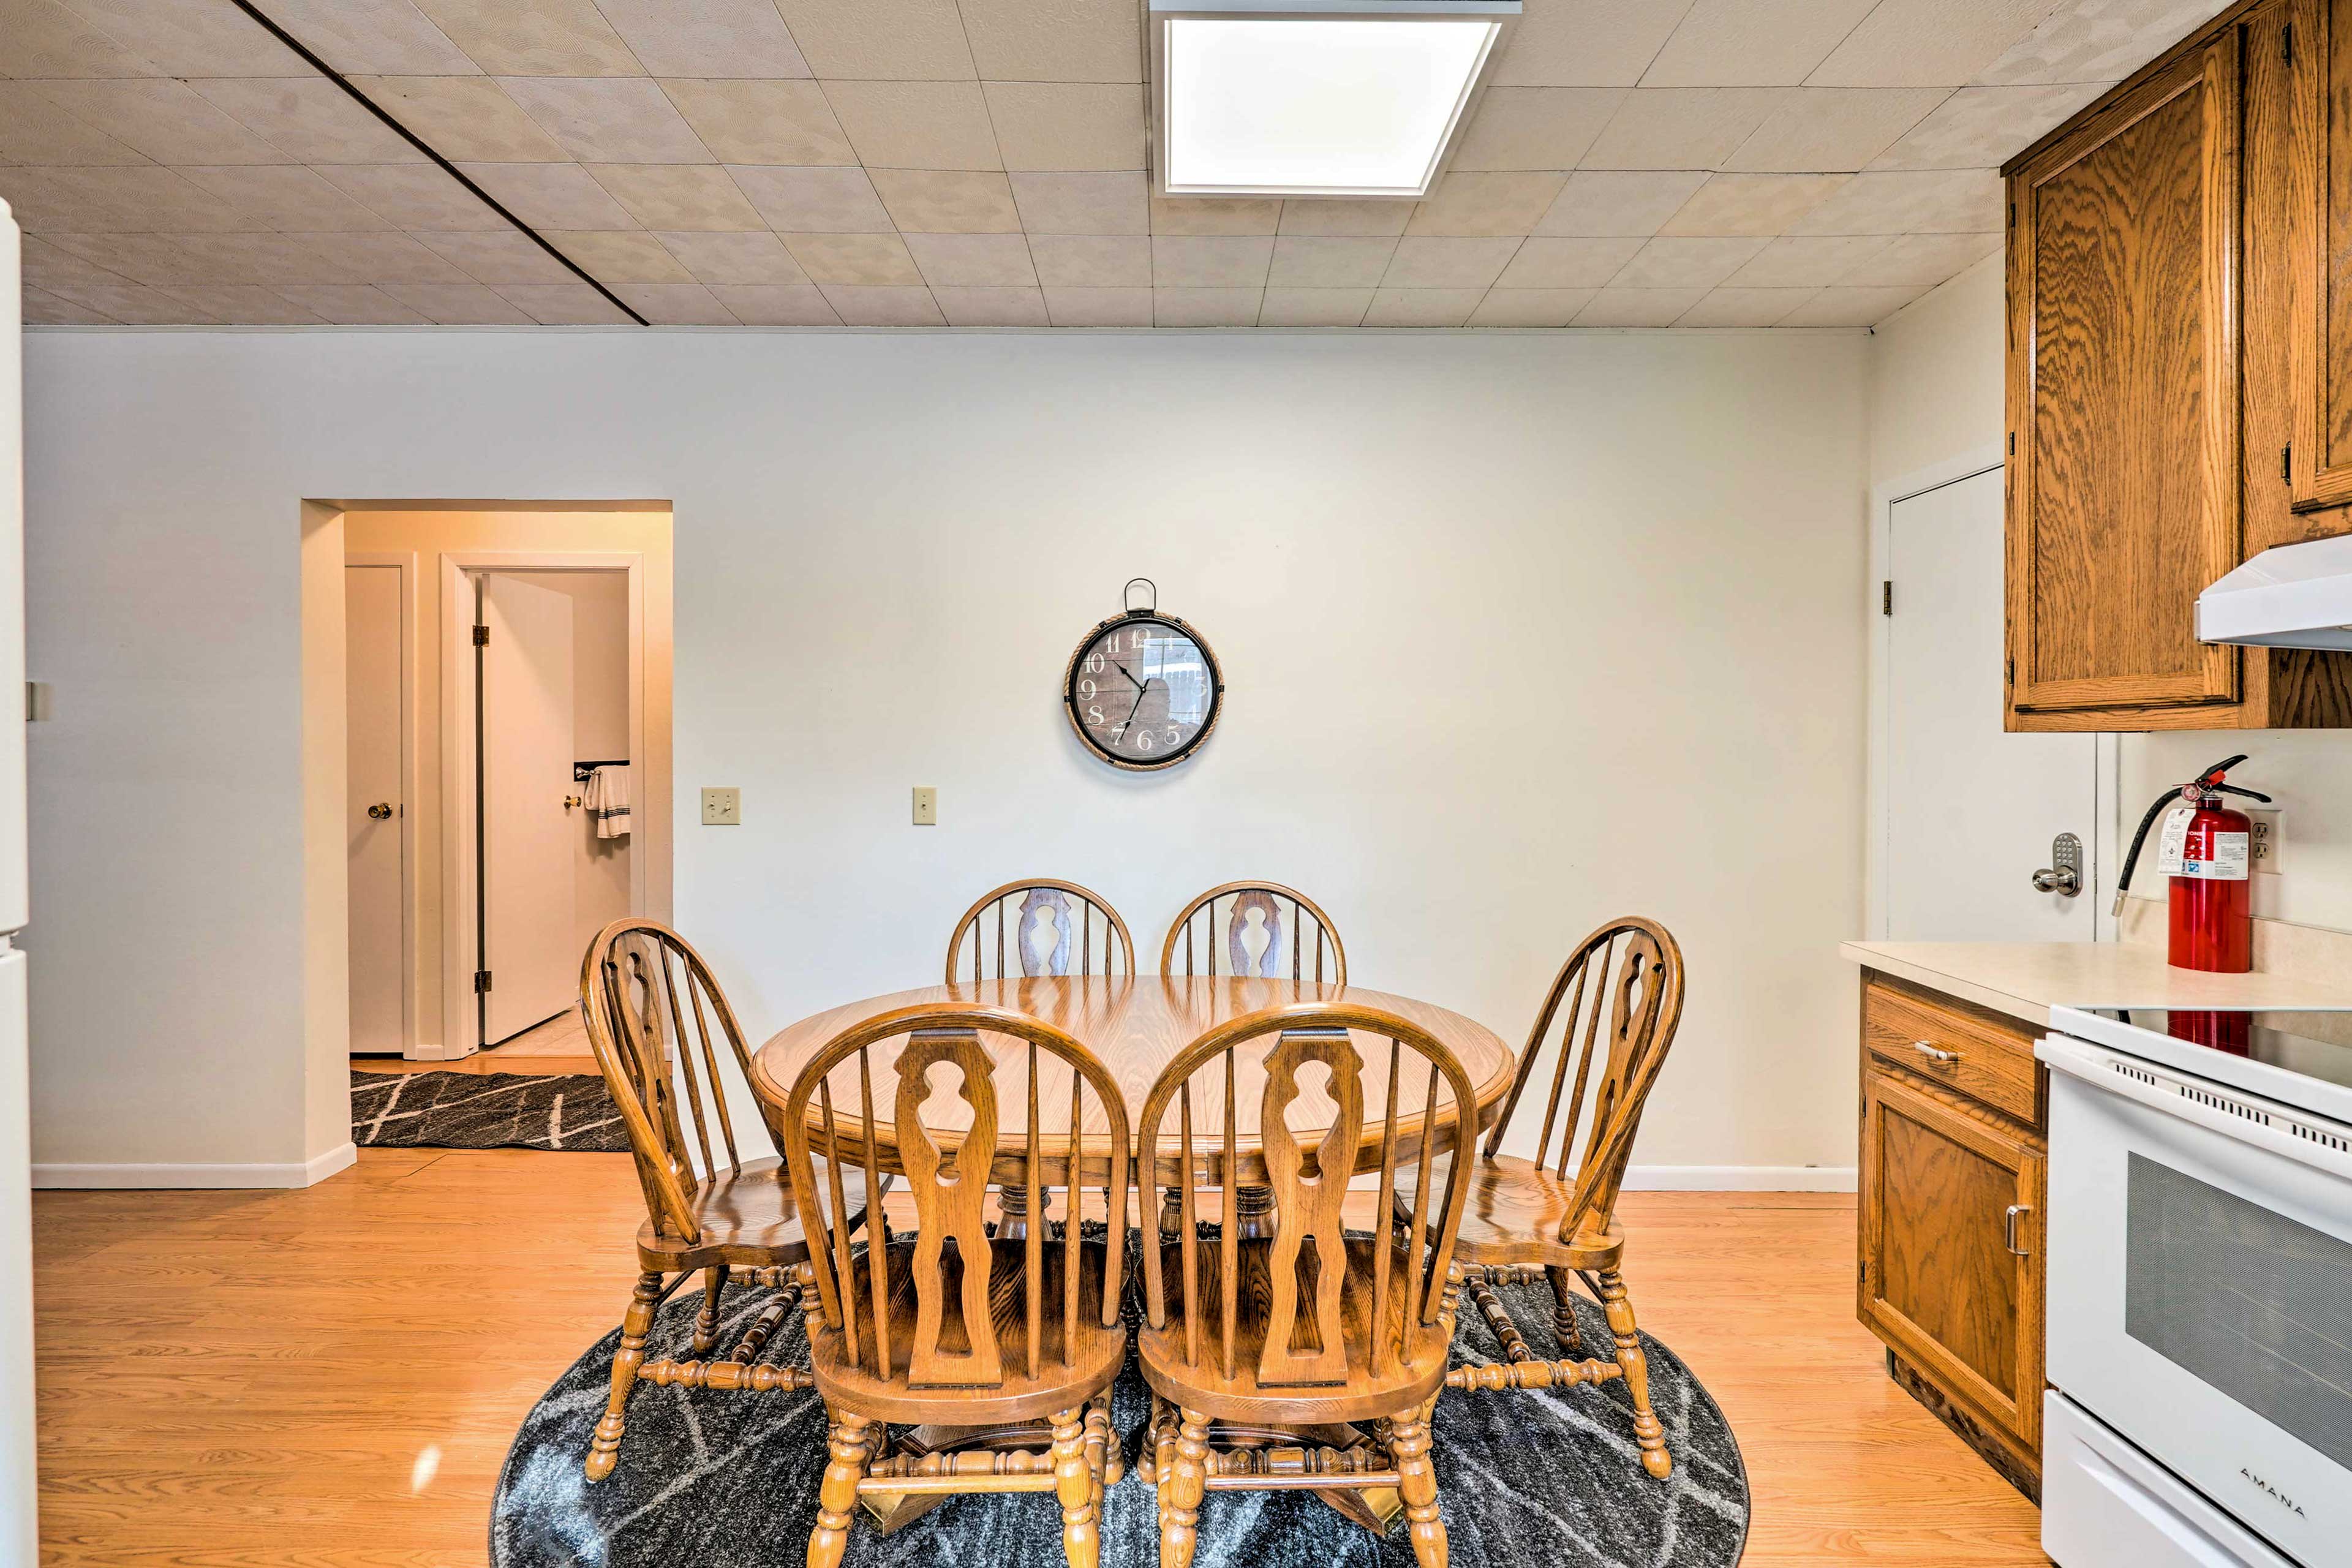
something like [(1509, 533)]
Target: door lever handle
[(2064, 873)]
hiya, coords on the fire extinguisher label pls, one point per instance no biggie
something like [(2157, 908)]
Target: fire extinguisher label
[(2230, 855), (2175, 837)]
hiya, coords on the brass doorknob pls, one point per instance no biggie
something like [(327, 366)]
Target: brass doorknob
[(380, 810)]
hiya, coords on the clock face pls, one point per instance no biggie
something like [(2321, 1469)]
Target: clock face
[(1142, 692)]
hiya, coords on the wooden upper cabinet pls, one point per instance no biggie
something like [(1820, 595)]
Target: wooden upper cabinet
[(2123, 484), (2319, 469)]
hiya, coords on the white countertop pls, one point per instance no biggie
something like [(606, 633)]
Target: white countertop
[(2026, 979)]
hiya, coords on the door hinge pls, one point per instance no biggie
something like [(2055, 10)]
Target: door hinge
[(2286, 464), (2012, 443), (1864, 1276), (1886, 598), (481, 981), (2286, 43), (482, 636)]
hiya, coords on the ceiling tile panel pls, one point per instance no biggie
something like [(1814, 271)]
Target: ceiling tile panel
[(285, 196), (1098, 307), (1314, 307), (814, 201), (247, 304), (1960, 201), (43, 308), (679, 196), (985, 306), (1205, 307), (762, 121), (762, 305), (139, 199), (1604, 203), (1681, 128), (1092, 260), (623, 256), (609, 120), (880, 40), (1529, 307), (1675, 263), (972, 260), (1567, 264), (353, 305), (1752, 204), (534, 37), (1055, 40), (1422, 306), (410, 195), (1587, 43), (884, 305), (1214, 214), (1487, 204), (1834, 129), (2100, 40), (1753, 43), (1921, 260), (915, 124), (707, 38), (1323, 261), (1068, 126), (1744, 307), (45, 266), (498, 258), (1211, 261), (45, 40), (458, 304), (1929, 43), (676, 304), (372, 38), (163, 119), (385, 258), (1979, 127), (716, 257), (1110, 202), (1788, 263), (465, 119), (191, 37), (133, 304), (1850, 307), (858, 260), (1422, 262), (550, 196), (938, 201), (307, 118), (563, 304), (34, 128), (1366, 219), (1637, 307), (1535, 127)]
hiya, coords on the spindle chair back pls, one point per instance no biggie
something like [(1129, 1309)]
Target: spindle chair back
[(1027, 930), (1255, 930)]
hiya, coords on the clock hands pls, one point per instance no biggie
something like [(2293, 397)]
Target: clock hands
[(1140, 693), (1130, 680)]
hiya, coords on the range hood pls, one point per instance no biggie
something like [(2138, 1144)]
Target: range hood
[(2295, 596)]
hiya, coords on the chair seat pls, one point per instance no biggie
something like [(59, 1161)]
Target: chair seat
[(1398, 1386), (1093, 1353), (1514, 1214), (747, 1218)]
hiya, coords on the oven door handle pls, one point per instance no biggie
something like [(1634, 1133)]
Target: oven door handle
[(2234, 1113)]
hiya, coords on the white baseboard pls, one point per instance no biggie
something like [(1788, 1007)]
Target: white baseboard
[(1740, 1178), (184, 1178)]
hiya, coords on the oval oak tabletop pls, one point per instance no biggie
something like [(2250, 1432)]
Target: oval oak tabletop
[(1136, 1026)]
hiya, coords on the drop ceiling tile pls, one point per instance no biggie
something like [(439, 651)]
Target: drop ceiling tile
[(622, 256), (707, 38), (1486, 204), (1211, 261), (940, 201), (1317, 261), (1092, 260), (1752, 204), (246, 305), (372, 38), (1670, 263), (1929, 43), (972, 260), (977, 306), (880, 40), (2096, 41), (563, 304), (1949, 201), (1922, 260), (458, 304), (307, 118), (1637, 307), (1834, 128), (534, 37), (1054, 40), (1753, 43), (44, 39), (1314, 307), (884, 305), (383, 258), (1681, 127), (1981, 127), (34, 128), (1428, 263), (191, 37), (1530, 307), (815, 200), (410, 195), (498, 260), (609, 120), (1587, 43), (1535, 127), (762, 121), (1214, 214), (352, 305), (136, 258), (1421, 307), (132, 199), (45, 266), (675, 304), (132, 304), (465, 119), (1068, 126), (163, 120), (1744, 307), (1205, 307), (1600, 204), (862, 261), (286, 196), (741, 259), (1098, 307), (679, 195), (915, 124), (1111, 202), (795, 305), (550, 196), (1365, 219), (1568, 263), (43, 308), (272, 260), (1806, 263), (1850, 307)]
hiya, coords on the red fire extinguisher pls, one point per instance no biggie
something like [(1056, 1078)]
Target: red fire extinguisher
[(2206, 851)]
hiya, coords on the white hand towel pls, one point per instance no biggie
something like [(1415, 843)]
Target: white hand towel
[(608, 800)]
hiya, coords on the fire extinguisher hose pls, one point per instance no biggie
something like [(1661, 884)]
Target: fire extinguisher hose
[(2210, 780)]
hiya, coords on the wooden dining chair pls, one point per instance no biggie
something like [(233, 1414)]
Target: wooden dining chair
[(1282, 1339), (641, 986), (1265, 930), (1622, 987), (1042, 928), (1009, 1341)]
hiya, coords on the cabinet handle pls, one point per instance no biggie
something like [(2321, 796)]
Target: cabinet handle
[(1934, 1053), (2008, 1228)]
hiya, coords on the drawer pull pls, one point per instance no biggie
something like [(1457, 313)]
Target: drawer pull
[(1935, 1053), (2009, 1228)]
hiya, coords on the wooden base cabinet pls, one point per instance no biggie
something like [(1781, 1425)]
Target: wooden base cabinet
[(1951, 1271)]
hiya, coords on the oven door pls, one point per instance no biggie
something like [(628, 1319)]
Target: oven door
[(2200, 1286)]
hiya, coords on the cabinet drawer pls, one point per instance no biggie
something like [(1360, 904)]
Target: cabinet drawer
[(1967, 1052)]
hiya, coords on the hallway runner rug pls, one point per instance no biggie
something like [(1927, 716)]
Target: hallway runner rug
[(572, 1112)]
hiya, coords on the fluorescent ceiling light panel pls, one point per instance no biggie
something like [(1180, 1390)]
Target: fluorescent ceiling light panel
[(1359, 101)]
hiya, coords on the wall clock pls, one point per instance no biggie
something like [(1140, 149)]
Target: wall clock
[(1142, 690)]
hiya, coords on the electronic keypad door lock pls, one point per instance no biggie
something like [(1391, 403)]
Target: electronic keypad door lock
[(2064, 873)]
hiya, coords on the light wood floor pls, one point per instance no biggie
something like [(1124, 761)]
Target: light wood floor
[(559, 1045), (345, 1402)]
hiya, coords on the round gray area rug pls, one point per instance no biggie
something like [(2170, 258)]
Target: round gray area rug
[(1528, 1479)]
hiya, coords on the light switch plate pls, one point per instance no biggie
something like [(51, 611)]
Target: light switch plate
[(927, 806), (2269, 843), (722, 808)]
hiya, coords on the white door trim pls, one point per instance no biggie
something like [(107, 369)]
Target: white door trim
[(459, 1032), (412, 986)]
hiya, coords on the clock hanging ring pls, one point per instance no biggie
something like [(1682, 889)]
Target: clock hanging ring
[(1143, 691)]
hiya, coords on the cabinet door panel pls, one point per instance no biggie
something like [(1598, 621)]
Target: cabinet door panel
[(2321, 469)]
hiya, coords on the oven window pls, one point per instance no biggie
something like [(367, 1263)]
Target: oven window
[(2244, 1300)]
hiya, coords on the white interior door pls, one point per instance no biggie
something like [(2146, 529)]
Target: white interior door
[(1971, 811), (376, 821), (527, 851)]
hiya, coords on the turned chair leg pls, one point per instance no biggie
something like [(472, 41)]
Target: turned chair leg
[(1186, 1474), (1564, 1326), (604, 1448), (1417, 1483), (1074, 1484), (705, 1322), (1636, 1365), (837, 1493)]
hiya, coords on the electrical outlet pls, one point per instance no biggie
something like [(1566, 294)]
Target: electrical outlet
[(722, 808), (2269, 842), (927, 806)]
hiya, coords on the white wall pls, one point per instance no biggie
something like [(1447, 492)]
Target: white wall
[(1521, 632), (1935, 371)]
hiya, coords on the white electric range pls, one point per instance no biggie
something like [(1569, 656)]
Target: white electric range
[(2200, 1246)]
